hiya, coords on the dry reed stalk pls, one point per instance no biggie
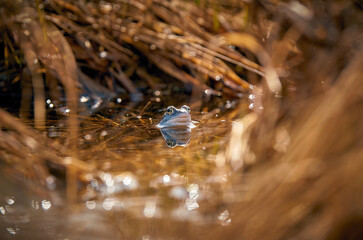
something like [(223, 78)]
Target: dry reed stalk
[(301, 155)]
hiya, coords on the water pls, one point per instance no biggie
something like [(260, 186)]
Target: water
[(141, 188)]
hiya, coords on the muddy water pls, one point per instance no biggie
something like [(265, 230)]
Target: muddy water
[(142, 187)]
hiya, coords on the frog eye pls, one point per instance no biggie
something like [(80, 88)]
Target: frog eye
[(186, 108), (170, 143), (169, 110)]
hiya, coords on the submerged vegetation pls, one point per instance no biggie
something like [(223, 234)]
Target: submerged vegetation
[(274, 85)]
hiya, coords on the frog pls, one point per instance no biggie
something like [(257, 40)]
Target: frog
[(177, 118)]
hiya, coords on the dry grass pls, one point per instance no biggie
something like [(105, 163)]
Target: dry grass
[(298, 153)]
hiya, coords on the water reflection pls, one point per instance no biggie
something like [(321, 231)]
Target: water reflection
[(224, 218), (12, 230), (176, 136), (137, 181), (150, 209)]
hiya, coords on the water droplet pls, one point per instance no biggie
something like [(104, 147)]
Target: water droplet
[(88, 137), (218, 78), (127, 180), (152, 47), (277, 94), (166, 179), (104, 133), (84, 99), (35, 204), (251, 97), (64, 110), (91, 204), (49, 101), (119, 100), (12, 230), (157, 93), (9, 200), (108, 204), (2, 210), (46, 204), (110, 182), (251, 106), (103, 54)]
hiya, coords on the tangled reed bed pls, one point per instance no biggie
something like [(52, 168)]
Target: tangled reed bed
[(298, 152)]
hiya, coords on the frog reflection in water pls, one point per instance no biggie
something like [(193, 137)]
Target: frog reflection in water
[(176, 125)]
